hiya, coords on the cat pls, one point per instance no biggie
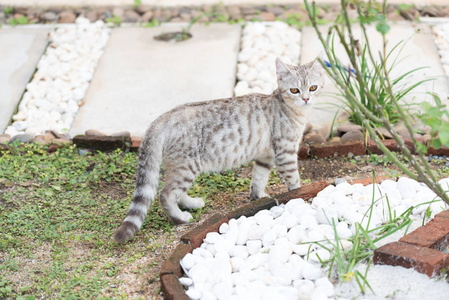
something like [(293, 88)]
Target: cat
[(220, 134)]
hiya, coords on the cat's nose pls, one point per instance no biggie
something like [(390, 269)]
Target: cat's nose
[(305, 99)]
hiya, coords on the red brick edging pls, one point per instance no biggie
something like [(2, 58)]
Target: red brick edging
[(420, 249)]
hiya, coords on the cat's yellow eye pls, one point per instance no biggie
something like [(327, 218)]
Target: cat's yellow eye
[(313, 88), (294, 91)]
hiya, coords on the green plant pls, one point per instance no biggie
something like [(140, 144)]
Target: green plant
[(152, 23), (435, 116), (372, 81), (137, 3), (8, 10), (22, 20), (114, 20), (368, 13)]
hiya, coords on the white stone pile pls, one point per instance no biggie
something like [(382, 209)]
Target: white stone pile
[(261, 44), (441, 37), (272, 255), (58, 87)]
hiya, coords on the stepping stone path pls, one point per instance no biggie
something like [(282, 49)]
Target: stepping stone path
[(139, 78), (20, 51)]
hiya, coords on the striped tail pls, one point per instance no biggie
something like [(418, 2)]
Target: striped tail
[(150, 159)]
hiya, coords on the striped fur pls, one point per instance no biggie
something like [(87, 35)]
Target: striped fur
[(218, 135)]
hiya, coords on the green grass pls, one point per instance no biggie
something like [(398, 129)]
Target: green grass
[(57, 215)]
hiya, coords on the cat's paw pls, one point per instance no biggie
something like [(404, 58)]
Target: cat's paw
[(196, 203), (192, 203), (186, 218), (254, 196)]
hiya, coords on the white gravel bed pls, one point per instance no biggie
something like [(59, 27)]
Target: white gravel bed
[(441, 37), (58, 87), (260, 45), (271, 255)]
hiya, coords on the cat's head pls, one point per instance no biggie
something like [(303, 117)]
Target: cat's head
[(300, 85)]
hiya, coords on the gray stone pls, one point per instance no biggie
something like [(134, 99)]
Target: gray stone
[(352, 136), (92, 15), (49, 16), (313, 138), (121, 133), (142, 9), (139, 78), (39, 140), (147, 16), (384, 133), (268, 16), (234, 12), (93, 132), (20, 50), (67, 17), (130, 16), (349, 127), (276, 10), (118, 12), (23, 138), (4, 138)]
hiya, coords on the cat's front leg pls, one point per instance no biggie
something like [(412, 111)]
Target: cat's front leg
[(261, 173), (286, 161)]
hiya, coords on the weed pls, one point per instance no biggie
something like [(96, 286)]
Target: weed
[(114, 20), (22, 20), (8, 10), (152, 23), (137, 3)]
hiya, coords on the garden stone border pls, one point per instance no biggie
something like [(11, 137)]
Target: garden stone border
[(324, 150), (313, 150)]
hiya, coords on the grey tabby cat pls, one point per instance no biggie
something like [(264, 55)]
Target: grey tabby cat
[(220, 134)]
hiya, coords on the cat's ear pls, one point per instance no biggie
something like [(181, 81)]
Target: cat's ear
[(282, 70), (315, 65)]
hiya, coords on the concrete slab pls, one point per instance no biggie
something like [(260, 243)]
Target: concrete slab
[(419, 51), (139, 78), (20, 50)]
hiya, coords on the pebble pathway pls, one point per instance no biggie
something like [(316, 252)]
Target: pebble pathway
[(63, 74), (275, 253), (261, 44)]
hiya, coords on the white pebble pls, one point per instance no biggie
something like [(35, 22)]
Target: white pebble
[(193, 293), (268, 238), (185, 281), (223, 228), (311, 272), (254, 246)]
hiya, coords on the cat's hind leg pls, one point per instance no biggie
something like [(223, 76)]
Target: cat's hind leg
[(261, 173), (174, 194)]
